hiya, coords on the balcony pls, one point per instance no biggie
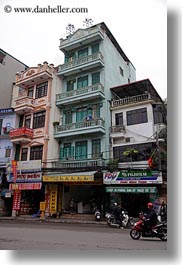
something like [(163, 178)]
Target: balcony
[(74, 96), (82, 64), (84, 163), (117, 129), (84, 127), (81, 37), (22, 105), (130, 100), (21, 135), (35, 75)]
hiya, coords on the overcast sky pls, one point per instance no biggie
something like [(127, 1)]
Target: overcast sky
[(139, 26)]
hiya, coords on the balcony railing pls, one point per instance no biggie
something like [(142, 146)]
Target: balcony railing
[(21, 134), (81, 91), (78, 163), (79, 125), (117, 129), (80, 61), (130, 100)]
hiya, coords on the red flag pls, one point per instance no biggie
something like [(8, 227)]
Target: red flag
[(150, 162)]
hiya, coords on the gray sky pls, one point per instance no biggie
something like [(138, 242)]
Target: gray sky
[(139, 26)]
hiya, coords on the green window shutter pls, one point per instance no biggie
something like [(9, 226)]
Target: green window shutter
[(95, 78), (72, 151), (95, 48), (61, 153), (83, 53), (82, 82)]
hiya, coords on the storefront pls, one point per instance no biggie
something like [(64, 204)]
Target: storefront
[(26, 183), (79, 189), (132, 188)]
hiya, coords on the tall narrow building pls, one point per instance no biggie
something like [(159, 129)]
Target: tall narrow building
[(93, 62)]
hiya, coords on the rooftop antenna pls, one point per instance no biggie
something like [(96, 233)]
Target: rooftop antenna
[(88, 22), (70, 29)]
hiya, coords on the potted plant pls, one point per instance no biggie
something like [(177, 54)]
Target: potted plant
[(55, 123)]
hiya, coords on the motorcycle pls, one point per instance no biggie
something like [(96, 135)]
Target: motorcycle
[(126, 220), (159, 230), (97, 214)]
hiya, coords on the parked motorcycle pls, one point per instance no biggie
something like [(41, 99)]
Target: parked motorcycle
[(158, 231), (126, 220), (97, 214)]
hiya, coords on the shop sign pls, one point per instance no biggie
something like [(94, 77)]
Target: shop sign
[(25, 186), (53, 201), (14, 169), (34, 177), (24, 166), (42, 206), (132, 190), (67, 178), (133, 177), (16, 200)]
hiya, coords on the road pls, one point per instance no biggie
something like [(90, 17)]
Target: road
[(15, 235)]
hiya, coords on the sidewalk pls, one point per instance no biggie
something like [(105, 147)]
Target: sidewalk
[(63, 219)]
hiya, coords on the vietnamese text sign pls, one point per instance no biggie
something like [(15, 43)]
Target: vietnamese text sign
[(132, 189), (68, 178), (25, 186), (132, 177)]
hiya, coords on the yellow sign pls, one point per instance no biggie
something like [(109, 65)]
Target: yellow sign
[(42, 206), (53, 201), (68, 178)]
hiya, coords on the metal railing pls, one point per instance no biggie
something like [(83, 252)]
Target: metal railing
[(129, 100), (80, 61), (78, 125), (85, 90)]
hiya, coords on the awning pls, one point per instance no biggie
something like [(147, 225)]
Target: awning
[(72, 177), (132, 189)]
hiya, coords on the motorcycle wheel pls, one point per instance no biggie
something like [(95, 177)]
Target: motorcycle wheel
[(135, 234), (108, 222), (131, 223), (164, 234)]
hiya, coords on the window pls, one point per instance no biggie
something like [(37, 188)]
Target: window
[(30, 92), (82, 81), (81, 150), (70, 85), (96, 148), (95, 48), (137, 116), (41, 90), (144, 152), (83, 53), (69, 57), (119, 119), (8, 152), (82, 113), (68, 117), (36, 152), (27, 121), (121, 71), (39, 120), (67, 152), (24, 154), (95, 78)]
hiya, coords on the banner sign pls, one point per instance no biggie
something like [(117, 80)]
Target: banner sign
[(64, 178), (133, 177), (24, 166), (132, 190), (25, 186), (34, 177), (16, 200), (14, 169), (53, 201)]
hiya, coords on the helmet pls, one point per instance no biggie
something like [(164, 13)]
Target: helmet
[(115, 204), (150, 204)]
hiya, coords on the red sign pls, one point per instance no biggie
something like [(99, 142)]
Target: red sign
[(16, 200), (25, 186), (14, 169), (23, 131)]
